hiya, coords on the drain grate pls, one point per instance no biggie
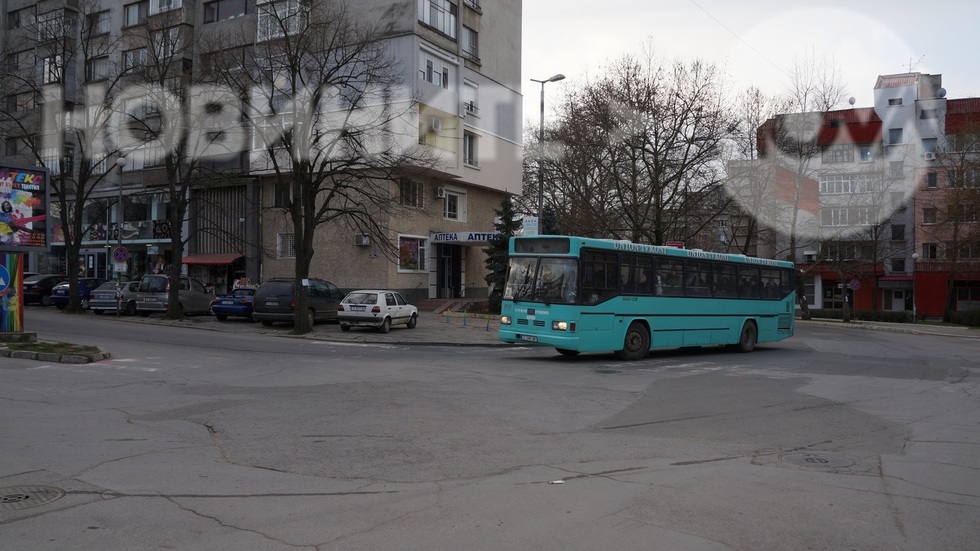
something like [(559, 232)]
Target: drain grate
[(25, 497), (822, 460)]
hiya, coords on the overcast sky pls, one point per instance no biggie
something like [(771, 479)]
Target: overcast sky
[(757, 41)]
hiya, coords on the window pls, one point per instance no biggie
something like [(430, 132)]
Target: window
[(55, 25), (930, 251), (135, 14), (97, 69), (471, 43), (867, 153), (898, 265), (410, 193), (894, 102), (930, 216), (13, 146), (838, 153), (51, 70), (932, 180), (283, 195), (895, 136), (278, 18), (471, 94), (435, 70), (134, 60), (837, 184), (98, 23), (929, 114), (898, 232), (286, 245), (20, 61), (454, 206), (470, 149), (896, 169), (23, 101), (965, 213), (166, 43), (969, 178), (440, 15), (223, 9), (159, 6), (20, 18), (928, 145), (412, 253), (897, 200)]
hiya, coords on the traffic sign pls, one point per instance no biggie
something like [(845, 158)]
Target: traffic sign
[(854, 285), (120, 254), (4, 278)]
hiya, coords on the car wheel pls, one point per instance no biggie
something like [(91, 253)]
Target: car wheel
[(221, 317), (636, 344), (344, 327), (45, 301), (311, 315), (252, 319), (267, 323), (413, 321), (84, 304), (385, 326), (130, 309)]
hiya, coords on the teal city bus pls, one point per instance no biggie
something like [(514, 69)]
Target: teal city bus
[(579, 294)]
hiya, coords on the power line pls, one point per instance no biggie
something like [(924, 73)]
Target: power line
[(740, 39)]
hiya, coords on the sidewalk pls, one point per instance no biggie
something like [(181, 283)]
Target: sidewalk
[(907, 328)]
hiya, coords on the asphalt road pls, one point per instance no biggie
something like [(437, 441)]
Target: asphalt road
[(221, 440)]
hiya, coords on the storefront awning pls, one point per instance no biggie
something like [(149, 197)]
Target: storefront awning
[(212, 259)]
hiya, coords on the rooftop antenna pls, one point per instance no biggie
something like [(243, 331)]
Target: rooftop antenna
[(912, 64)]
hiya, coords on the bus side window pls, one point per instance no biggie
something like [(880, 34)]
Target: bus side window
[(724, 280), (770, 284), (748, 282), (669, 270)]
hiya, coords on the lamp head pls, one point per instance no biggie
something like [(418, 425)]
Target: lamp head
[(556, 78), (121, 162)]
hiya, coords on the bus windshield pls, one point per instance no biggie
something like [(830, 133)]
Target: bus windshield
[(542, 279)]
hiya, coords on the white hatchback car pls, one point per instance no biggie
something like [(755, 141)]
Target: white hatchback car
[(379, 309)]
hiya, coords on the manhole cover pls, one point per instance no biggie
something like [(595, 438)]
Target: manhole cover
[(606, 371), (824, 460), (25, 497)]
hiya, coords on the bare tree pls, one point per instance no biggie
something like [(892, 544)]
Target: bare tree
[(641, 150), (333, 126), (72, 46)]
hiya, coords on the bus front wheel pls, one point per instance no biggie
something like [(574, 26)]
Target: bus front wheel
[(636, 345), (567, 352), (748, 338)]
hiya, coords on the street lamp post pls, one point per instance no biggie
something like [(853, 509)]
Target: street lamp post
[(555, 78), (915, 260), (121, 163)]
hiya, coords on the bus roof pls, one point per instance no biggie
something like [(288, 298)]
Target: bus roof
[(571, 245)]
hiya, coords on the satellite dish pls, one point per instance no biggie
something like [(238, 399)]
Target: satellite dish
[(852, 100), (941, 93)]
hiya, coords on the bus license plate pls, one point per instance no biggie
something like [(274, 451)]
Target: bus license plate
[(529, 338)]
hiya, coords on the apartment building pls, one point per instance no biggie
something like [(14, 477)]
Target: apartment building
[(459, 66), (888, 216)]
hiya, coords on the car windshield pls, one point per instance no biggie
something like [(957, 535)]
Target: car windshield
[(275, 288), (242, 292), (543, 280), (362, 298)]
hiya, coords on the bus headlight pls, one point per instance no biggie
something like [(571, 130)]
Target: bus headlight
[(562, 326), (504, 320)]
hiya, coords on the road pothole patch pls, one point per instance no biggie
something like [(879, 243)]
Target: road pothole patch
[(818, 459)]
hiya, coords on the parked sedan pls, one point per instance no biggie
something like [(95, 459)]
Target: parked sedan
[(61, 293), (378, 309), (111, 295), (237, 303), (37, 288)]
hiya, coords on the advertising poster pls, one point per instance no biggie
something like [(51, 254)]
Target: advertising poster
[(11, 288), (23, 209)]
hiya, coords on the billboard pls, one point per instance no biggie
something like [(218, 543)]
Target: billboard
[(23, 209)]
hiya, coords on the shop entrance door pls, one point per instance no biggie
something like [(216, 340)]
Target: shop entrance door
[(449, 271)]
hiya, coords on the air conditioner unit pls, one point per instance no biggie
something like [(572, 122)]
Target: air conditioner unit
[(809, 256), (435, 124), (440, 193), (930, 156), (362, 240)]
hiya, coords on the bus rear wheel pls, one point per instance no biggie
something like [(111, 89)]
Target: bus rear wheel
[(636, 345), (748, 338), (567, 352)]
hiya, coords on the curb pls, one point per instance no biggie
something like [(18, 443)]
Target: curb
[(51, 357)]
